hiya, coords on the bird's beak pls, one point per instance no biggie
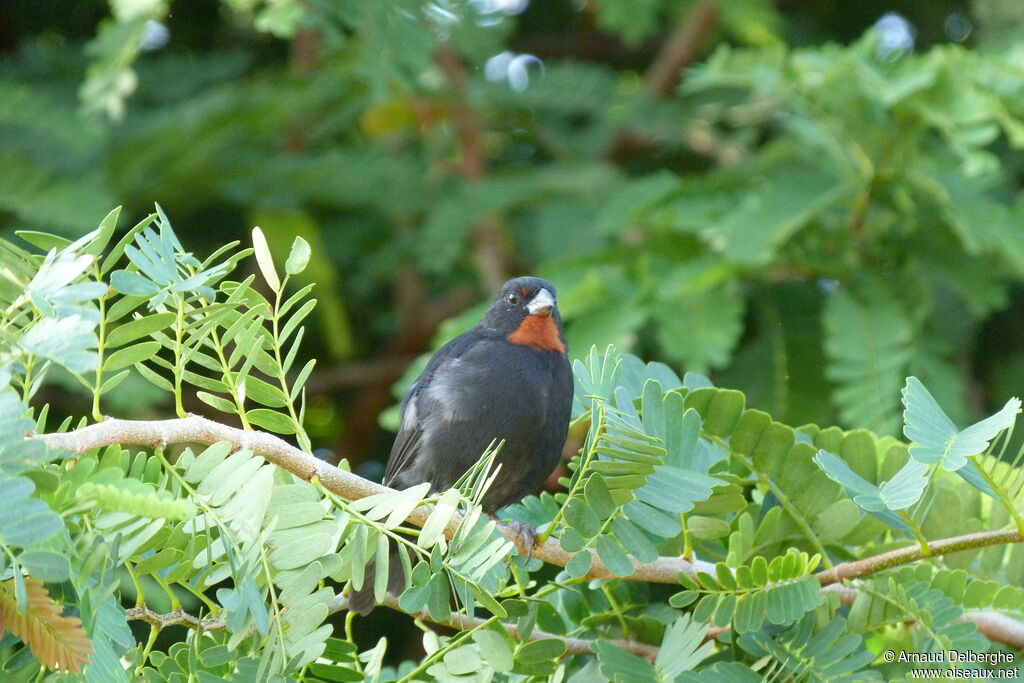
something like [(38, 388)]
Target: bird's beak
[(542, 304)]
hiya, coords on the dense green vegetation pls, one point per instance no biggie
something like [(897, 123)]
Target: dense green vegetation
[(796, 216)]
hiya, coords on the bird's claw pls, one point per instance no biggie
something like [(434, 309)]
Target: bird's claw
[(526, 537)]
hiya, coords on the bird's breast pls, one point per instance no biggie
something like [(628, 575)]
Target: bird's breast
[(538, 332)]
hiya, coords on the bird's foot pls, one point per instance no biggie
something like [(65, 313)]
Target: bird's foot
[(525, 537)]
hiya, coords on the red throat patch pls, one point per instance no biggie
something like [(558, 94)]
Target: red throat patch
[(538, 332)]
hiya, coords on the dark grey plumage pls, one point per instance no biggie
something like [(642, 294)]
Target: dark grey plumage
[(508, 378)]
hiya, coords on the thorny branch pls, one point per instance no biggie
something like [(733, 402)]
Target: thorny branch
[(199, 430)]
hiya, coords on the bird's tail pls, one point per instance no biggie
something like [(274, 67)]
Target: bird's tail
[(363, 600)]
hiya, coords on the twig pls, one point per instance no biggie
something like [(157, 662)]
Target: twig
[(682, 48), (900, 556), (176, 618), (993, 625), (490, 244), (199, 430), (462, 622)]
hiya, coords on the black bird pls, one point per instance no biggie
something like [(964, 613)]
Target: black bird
[(507, 378)]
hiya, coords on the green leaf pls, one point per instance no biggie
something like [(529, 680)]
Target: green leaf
[(133, 284), (937, 440), (676, 490), (104, 233), (546, 649), (23, 530), (66, 341), (271, 420), (216, 402), (298, 257), (46, 566), (300, 379), (619, 665), (700, 329), (634, 540), (598, 497), (263, 393), (495, 649), (462, 660), (43, 240), (579, 515), (437, 602), (579, 564), (265, 260), (613, 556), (153, 378), (865, 494), (439, 518), (868, 343), (140, 327), (130, 355)]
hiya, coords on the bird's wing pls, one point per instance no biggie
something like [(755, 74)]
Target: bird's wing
[(410, 433), (413, 408)]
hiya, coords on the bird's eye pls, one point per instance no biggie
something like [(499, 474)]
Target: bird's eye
[(512, 298)]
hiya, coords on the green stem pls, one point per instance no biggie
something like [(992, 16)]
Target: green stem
[(213, 607), (784, 501), (274, 603), (101, 335), (175, 603), (1000, 492), (140, 596), (616, 609), (179, 332), (687, 539), (26, 387), (229, 380), (462, 637), (300, 431), (154, 631), (591, 450)]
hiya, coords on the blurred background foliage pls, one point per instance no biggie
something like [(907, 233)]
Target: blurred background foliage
[(806, 199)]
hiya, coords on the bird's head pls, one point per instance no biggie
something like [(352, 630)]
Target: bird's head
[(525, 312)]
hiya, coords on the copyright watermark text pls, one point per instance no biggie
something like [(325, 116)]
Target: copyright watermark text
[(946, 664)]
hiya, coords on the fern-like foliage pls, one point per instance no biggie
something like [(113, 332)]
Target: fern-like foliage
[(639, 469), (867, 339), (57, 641), (886, 602), (780, 591), (805, 653), (681, 651)]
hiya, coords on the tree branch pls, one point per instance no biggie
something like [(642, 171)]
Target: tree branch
[(176, 618), (900, 556), (461, 622), (199, 430), (682, 48), (491, 252), (993, 625)]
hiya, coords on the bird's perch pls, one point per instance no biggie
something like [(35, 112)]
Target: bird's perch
[(199, 430)]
